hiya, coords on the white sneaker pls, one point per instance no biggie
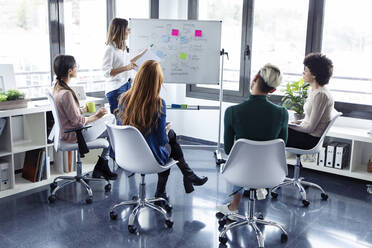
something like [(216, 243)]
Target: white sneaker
[(224, 209), (261, 194)]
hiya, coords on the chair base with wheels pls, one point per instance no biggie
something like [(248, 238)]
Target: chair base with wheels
[(299, 183), (252, 219), (80, 148), (141, 202), (79, 178)]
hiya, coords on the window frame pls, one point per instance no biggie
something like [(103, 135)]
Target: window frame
[(314, 36), (245, 61), (57, 30)]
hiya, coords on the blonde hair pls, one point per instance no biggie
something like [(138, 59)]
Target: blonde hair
[(271, 75), (116, 33), (141, 105)]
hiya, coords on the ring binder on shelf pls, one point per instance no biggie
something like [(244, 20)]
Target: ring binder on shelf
[(342, 155), (322, 156), (330, 154)]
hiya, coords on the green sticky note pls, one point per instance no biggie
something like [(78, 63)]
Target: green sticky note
[(183, 56), (184, 106)]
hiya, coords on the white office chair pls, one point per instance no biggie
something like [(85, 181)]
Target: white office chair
[(297, 181), (254, 165), (133, 154), (79, 150)]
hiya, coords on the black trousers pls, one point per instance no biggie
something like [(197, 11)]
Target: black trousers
[(176, 153), (301, 140)]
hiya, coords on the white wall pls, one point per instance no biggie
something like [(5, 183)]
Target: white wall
[(202, 124)]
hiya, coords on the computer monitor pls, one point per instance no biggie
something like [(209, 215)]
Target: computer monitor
[(7, 78)]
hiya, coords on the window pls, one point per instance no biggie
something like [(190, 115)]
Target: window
[(85, 36), (231, 14), (24, 42), (133, 9), (347, 41), (281, 38)]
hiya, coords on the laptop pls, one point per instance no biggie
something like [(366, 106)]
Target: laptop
[(80, 92)]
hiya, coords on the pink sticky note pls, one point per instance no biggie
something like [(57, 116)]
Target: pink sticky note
[(198, 33), (175, 32)]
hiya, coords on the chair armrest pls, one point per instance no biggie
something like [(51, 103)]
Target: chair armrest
[(76, 129)]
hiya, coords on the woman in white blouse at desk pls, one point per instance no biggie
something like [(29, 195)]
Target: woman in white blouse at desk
[(306, 133), (117, 65)]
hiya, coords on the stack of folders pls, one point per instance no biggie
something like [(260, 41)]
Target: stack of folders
[(334, 155), (34, 167)]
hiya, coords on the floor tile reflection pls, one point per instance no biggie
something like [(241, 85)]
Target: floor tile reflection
[(27, 220)]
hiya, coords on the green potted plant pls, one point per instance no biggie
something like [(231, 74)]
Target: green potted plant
[(295, 97), (12, 99)]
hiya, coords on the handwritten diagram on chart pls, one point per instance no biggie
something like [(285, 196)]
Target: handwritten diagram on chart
[(188, 50)]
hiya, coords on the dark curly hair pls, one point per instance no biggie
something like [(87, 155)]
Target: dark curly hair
[(320, 66)]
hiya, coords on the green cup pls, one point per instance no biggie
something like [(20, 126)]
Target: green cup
[(91, 107)]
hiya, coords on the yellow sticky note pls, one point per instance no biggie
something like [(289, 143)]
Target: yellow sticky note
[(183, 56)]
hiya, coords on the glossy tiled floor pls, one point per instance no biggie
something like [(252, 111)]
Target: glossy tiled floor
[(27, 220)]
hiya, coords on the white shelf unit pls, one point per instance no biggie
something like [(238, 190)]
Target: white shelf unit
[(360, 149), (26, 130)]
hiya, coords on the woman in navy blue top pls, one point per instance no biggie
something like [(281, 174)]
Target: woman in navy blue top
[(143, 108)]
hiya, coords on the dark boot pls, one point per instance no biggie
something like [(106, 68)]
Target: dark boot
[(160, 189), (189, 177), (101, 169)]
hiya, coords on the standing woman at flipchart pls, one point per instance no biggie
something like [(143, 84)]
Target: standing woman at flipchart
[(117, 65)]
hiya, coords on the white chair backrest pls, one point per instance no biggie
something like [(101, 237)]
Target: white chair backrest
[(256, 164), (57, 125), (132, 152), (335, 115)]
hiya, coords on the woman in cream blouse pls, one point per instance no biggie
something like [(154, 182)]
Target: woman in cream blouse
[(306, 133)]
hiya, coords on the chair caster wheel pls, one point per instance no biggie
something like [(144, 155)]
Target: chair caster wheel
[(113, 215), (52, 198), (89, 200), (53, 186), (222, 222), (283, 237), (107, 187), (169, 223), (219, 215), (168, 208), (223, 240), (260, 217), (274, 195), (135, 198), (132, 229), (324, 196), (305, 203)]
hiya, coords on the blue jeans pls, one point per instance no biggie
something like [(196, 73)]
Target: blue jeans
[(113, 96), (113, 99)]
